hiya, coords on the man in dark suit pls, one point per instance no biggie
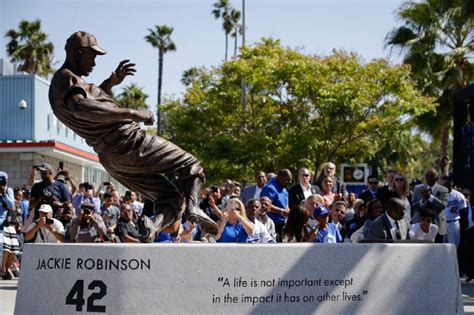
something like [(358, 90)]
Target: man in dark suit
[(303, 189), (371, 192), (434, 198), (391, 225), (385, 193), (253, 192)]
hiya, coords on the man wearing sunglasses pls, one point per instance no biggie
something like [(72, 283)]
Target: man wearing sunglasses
[(371, 191), (303, 189)]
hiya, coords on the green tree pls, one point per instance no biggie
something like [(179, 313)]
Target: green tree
[(29, 47), (300, 108), (160, 37), (437, 38), (132, 96)]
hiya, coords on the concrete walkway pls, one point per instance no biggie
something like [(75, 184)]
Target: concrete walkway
[(8, 294)]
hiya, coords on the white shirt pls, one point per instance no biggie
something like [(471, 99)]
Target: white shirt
[(258, 190), (270, 225), (417, 233), (394, 228), (138, 207), (407, 209), (457, 202), (260, 234), (46, 236), (306, 192)]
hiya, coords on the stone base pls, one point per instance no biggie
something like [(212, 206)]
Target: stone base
[(244, 279)]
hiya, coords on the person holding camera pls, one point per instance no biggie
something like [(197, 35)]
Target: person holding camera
[(45, 229), (234, 226), (48, 191), (88, 226), (85, 193)]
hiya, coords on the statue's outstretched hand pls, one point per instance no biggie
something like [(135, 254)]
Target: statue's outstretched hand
[(124, 69), (148, 117)]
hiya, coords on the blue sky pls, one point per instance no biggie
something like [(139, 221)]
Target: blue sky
[(315, 26)]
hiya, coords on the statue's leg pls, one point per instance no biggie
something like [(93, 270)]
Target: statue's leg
[(164, 215), (191, 182)]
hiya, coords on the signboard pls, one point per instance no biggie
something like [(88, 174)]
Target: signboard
[(354, 174), (231, 278)]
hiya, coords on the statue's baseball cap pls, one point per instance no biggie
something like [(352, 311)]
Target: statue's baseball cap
[(83, 39)]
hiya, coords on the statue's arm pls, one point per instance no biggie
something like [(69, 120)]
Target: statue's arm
[(124, 69), (103, 112)]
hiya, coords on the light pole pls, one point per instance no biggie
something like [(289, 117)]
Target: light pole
[(244, 86)]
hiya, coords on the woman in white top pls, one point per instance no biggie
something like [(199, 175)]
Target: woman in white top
[(425, 230), (402, 188)]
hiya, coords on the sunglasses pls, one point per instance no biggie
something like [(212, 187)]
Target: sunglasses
[(373, 182), (305, 175), (399, 179)]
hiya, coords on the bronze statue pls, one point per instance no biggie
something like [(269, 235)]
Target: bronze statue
[(136, 159)]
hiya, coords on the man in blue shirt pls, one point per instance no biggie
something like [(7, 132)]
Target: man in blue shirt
[(276, 190)]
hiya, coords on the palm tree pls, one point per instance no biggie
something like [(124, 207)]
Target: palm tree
[(236, 27), (437, 40), (132, 96), (189, 76), (28, 46), (223, 9), (160, 38)]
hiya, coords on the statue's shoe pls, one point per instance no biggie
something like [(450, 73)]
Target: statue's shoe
[(196, 215)]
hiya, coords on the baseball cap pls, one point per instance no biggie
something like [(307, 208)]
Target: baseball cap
[(45, 208), (44, 167), (87, 204), (61, 178), (214, 188), (3, 175), (320, 211), (83, 39)]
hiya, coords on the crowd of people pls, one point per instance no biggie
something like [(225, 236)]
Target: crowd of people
[(277, 208)]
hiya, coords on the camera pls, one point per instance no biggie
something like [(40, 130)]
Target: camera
[(106, 183), (48, 197), (3, 181), (86, 211), (87, 186), (48, 221)]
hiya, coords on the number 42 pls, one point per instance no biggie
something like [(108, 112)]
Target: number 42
[(76, 296)]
